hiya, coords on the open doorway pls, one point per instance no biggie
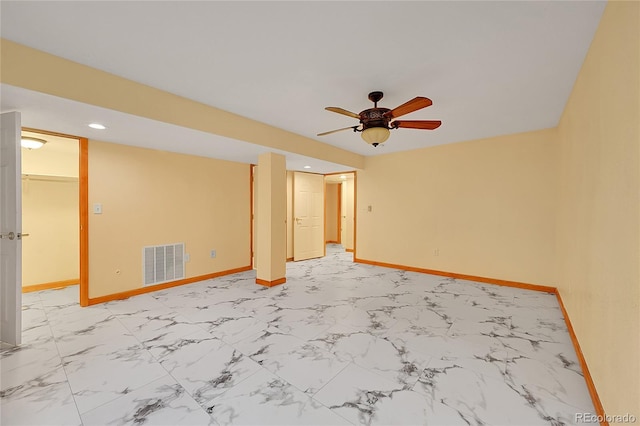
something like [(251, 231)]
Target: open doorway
[(51, 215), (340, 212)]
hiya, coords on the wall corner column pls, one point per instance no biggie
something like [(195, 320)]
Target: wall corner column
[(271, 213)]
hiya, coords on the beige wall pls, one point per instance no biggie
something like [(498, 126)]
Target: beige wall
[(483, 208), (598, 272), (331, 212), (152, 197), (50, 216)]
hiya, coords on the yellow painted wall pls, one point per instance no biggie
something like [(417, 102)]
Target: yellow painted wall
[(331, 212), (483, 208), (50, 215), (598, 271), (152, 197)]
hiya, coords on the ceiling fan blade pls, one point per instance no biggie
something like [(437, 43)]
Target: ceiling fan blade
[(343, 112), (407, 107), (337, 130), (417, 124)]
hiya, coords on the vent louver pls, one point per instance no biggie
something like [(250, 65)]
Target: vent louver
[(161, 264)]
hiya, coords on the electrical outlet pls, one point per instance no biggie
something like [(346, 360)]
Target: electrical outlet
[(213, 254), (187, 257), (436, 252)]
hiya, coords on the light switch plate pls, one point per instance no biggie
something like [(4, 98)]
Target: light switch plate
[(97, 208)]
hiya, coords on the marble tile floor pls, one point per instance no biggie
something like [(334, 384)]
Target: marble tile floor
[(340, 343)]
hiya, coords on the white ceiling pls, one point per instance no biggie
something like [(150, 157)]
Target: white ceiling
[(46, 112), (490, 67)]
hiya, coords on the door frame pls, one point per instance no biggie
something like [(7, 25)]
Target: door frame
[(355, 206), (83, 182)]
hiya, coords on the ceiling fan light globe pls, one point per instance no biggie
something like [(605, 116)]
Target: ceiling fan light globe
[(375, 135)]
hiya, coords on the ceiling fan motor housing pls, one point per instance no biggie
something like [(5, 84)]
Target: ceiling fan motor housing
[(374, 117)]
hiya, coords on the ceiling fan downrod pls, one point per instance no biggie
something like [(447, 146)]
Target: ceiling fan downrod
[(375, 98)]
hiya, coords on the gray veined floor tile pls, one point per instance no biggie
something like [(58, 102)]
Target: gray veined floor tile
[(206, 366), (40, 399), (158, 329), (382, 356), (365, 398), (306, 367), (135, 305), (548, 381), (266, 399), (233, 330), (479, 391), (95, 335), (304, 323), (97, 378), (268, 344), (340, 343), (33, 358), (162, 402)]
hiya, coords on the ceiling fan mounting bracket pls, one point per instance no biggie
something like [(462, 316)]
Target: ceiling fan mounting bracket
[(375, 97)]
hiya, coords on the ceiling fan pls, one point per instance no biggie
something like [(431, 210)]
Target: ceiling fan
[(375, 122)]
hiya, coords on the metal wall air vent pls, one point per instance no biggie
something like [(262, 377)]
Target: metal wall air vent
[(161, 264)]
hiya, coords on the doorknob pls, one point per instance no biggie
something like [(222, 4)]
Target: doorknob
[(298, 220), (12, 236)]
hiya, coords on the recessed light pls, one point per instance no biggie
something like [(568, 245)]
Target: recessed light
[(307, 167), (97, 126), (343, 176), (32, 143)]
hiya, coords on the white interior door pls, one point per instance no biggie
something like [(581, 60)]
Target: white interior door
[(10, 230), (308, 216)]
